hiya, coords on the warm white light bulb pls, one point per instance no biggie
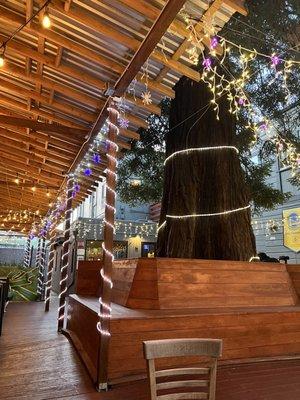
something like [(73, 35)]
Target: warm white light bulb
[(46, 21), (2, 62)]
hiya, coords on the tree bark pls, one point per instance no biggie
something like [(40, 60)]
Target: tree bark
[(210, 181)]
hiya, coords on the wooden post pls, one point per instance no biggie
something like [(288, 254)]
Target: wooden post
[(37, 263), (42, 267), (49, 271), (106, 272), (27, 253), (31, 256), (65, 257)]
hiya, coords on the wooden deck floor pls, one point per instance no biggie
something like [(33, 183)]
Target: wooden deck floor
[(36, 363)]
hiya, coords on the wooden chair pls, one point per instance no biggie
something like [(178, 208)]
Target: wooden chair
[(154, 349)]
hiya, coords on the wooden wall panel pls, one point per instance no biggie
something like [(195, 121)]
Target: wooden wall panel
[(294, 272), (88, 278), (81, 329), (164, 283), (245, 333)]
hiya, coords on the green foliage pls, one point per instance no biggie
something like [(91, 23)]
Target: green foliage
[(268, 28), (23, 282), (145, 162)]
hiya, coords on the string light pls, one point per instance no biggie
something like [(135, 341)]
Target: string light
[(27, 253), (161, 226), (200, 149), (105, 308), (65, 255), (50, 267), (254, 258), (38, 265), (235, 88), (46, 20), (208, 214)]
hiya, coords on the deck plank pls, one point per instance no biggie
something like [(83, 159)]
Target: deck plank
[(37, 363)]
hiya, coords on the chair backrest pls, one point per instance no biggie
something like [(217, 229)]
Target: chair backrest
[(154, 349)]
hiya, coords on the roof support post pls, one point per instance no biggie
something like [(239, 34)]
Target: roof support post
[(49, 271), (65, 257), (41, 275), (26, 262), (109, 229)]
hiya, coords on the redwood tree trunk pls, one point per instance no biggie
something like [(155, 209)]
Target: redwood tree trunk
[(203, 182)]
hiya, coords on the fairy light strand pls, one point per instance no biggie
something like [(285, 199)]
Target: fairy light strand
[(27, 252), (235, 88), (48, 283), (200, 149), (227, 212), (65, 255), (105, 308), (38, 262)]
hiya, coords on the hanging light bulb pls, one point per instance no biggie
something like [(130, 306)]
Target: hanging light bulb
[(17, 181), (46, 20), (2, 58), (48, 193), (33, 188)]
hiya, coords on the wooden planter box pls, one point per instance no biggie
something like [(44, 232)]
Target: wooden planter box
[(251, 306)]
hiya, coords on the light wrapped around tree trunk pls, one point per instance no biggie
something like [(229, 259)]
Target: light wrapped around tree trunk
[(203, 182)]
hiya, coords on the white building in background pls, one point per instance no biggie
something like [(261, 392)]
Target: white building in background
[(135, 232), (269, 227)]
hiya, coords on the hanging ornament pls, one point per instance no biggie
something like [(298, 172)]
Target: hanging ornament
[(96, 158), (214, 42), (76, 187), (146, 97), (88, 172), (123, 122), (207, 63), (275, 60)]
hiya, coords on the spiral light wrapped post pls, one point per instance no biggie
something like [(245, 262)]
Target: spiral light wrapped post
[(41, 277), (49, 271), (37, 263), (103, 325), (27, 252), (65, 256)]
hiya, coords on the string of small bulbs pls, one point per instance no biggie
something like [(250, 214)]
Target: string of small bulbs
[(235, 88), (46, 22)]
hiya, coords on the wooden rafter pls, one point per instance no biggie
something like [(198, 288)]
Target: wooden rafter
[(55, 83)]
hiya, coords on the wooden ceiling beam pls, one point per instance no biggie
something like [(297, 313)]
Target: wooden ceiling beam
[(157, 30), (17, 20), (36, 112), (41, 126), (22, 202), (75, 94), (12, 174), (49, 61), (34, 166), (21, 151), (64, 150), (5, 137), (56, 106), (133, 44), (34, 172), (21, 190)]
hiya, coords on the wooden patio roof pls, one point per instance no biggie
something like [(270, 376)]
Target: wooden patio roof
[(55, 84)]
